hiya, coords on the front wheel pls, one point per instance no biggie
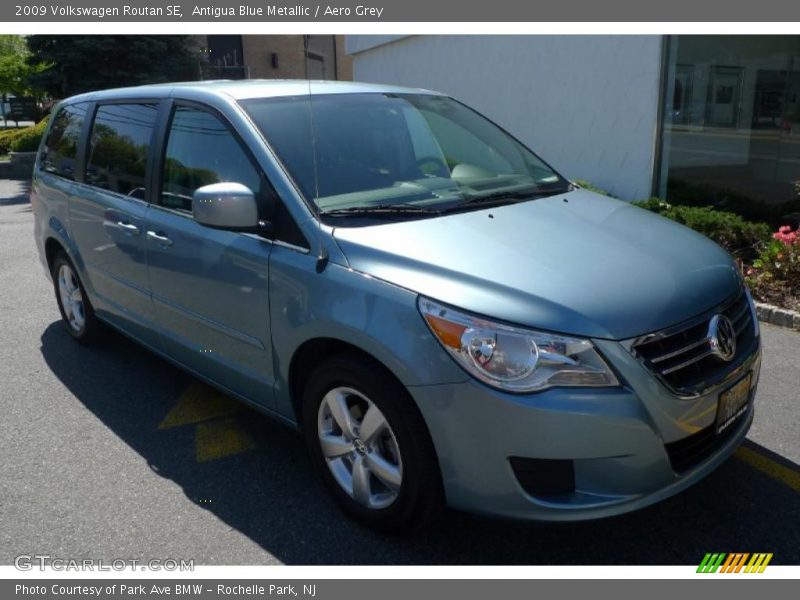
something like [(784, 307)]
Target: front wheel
[(370, 444)]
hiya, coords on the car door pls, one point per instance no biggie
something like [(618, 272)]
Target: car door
[(209, 287), (107, 215)]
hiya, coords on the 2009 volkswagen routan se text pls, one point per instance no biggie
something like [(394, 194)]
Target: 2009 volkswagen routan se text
[(444, 316)]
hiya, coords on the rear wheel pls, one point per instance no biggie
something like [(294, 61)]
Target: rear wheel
[(76, 310), (371, 445)]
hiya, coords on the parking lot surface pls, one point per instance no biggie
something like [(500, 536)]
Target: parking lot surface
[(110, 452)]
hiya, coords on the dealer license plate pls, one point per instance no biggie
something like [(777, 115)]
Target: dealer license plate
[(733, 402)]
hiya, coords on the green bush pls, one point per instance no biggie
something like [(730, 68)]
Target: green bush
[(743, 239), (27, 139), (6, 137), (725, 199)]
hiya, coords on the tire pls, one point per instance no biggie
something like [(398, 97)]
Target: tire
[(77, 312), (402, 478)]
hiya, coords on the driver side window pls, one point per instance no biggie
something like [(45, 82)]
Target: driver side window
[(201, 150)]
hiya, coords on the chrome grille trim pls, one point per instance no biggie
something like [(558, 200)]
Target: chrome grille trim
[(688, 362), (681, 356), (679, 351)]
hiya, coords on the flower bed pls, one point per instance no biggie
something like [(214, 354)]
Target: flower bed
[(774, 276)]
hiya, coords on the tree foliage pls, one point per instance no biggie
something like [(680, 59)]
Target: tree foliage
[(94, 62), (16, 66)]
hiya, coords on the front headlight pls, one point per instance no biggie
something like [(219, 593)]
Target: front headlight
[(515, 359)]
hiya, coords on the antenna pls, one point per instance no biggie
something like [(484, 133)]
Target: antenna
[(322, 252)]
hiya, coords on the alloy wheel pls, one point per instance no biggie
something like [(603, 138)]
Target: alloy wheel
[(359, 447), (69, 291)]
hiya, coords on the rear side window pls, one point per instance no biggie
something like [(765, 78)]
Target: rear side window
[(60, 151), (201, 150), (118, 148)]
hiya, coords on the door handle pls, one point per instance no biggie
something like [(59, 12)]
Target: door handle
[(128, 227), (160, 238)]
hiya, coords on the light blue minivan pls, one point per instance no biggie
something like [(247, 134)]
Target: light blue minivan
[(446, 318)]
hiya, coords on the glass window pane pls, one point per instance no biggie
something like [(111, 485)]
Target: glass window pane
[(60, 150), (200, 151), (731, 135), (118, 148)]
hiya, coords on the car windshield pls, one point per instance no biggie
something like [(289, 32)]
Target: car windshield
[(377, 153)]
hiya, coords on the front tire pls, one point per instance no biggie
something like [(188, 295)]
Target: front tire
[(77, 312), (370, 445)]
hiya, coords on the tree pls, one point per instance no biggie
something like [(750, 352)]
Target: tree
[(16, 68), (95, 62)]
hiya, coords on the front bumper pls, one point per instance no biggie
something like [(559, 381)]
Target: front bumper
[(615, 439)]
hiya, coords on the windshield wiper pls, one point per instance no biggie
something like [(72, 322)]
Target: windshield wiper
[(380, 209)]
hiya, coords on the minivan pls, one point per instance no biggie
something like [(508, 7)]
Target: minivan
[(445, 318)]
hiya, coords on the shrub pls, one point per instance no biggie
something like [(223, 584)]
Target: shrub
[(6, 137), (27, 139), (775, 274), (729, 200), (743, 239)]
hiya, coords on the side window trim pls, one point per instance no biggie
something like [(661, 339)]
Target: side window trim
[(83, 142), (158, 151)]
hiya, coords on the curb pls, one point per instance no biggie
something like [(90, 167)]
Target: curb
[(775, 315)]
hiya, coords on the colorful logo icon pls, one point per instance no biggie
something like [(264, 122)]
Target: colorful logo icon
[(734, 562)]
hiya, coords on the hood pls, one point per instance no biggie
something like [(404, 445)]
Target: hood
[(577, 263)]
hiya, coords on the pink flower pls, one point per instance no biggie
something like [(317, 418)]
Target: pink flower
[(786, 236)]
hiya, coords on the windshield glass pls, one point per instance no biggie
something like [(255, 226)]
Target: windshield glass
[(357, 152)]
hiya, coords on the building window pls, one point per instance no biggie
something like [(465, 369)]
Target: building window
[(731, 131)]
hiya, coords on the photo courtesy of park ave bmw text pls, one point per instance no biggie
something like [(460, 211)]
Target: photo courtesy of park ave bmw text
[(361, 288)]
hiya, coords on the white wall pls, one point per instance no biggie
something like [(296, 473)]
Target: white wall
[(587, 104)]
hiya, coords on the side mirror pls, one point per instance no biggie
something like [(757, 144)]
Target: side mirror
[(226, 205)]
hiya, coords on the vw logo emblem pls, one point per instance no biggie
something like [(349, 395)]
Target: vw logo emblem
[(722, 337)]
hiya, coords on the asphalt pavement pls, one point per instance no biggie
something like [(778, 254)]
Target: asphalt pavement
[(112, 453)]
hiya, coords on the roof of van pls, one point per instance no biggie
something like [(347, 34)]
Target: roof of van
[(249, 88)]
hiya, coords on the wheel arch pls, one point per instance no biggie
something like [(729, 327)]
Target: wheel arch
[(53, 246), (58, 240), (311, 353)]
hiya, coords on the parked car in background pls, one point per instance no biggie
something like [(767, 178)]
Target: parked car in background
[(445, 317)]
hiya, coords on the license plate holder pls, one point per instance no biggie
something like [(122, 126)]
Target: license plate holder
[(733, 402)]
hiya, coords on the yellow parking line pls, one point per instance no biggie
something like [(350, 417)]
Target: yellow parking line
[(217, 433), (199, 402), (220, 438), (769, 467)]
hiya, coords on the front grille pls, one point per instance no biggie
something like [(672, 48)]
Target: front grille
[(682, 357), (690, 451)]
